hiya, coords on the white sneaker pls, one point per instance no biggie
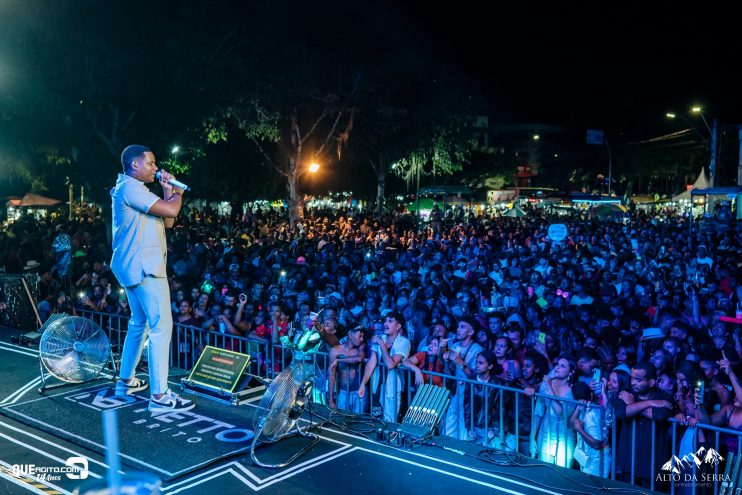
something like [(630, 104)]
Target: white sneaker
[(134, 385), (169, 402)]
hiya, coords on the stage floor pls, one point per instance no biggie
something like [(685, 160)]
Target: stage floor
[(342, 462)]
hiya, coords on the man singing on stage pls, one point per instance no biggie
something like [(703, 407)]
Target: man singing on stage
[(139, 263)]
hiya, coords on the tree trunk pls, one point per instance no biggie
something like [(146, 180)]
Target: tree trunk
[(380, 187), (296, 198)]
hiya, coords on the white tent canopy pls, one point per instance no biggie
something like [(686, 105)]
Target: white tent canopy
[(700, 183), (514, 212)]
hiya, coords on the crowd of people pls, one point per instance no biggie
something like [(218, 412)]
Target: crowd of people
[(624, 321)]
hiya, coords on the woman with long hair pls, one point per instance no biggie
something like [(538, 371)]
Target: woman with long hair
[(427, 360), (509, 368), (687, 377), (483, 337), (618, 381), (482, 402), (555, 440)]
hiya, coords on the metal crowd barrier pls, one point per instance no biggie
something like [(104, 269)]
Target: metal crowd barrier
[(724, 441), (513, 407)]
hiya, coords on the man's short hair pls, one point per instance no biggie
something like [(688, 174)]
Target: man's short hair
[(513, 326), (131, 153), (399, 317), (650, 372), (474, 324), (588, 354)]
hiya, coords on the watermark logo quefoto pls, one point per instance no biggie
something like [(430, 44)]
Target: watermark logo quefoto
[(75, 468)]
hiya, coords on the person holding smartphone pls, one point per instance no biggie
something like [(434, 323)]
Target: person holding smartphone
[(390, 349), (460, 358), (244, 314), (122, 307)]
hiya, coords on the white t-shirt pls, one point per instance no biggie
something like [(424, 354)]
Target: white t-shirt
[(593, 425), (401, 346)]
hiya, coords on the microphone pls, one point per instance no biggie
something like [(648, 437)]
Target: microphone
[(173, 182)]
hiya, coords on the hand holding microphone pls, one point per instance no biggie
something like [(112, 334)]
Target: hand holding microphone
[(171, 180)]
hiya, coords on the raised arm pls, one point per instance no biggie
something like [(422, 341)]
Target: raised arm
[(169, 207), (727, 367)]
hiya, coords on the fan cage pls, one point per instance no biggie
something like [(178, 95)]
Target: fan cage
[(74, 349), (277, 401)]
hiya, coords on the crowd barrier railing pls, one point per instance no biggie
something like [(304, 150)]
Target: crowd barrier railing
[(512, 424), (707, 476)]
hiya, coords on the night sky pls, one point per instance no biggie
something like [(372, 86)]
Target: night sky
[(617, 67), (621, 65)]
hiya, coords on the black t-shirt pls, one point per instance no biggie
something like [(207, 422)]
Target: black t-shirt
[(643, 439)]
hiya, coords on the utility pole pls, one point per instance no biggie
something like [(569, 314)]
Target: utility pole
[(71, 195), (712, 163), (610, 166)]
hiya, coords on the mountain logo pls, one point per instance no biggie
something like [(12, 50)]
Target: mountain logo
[(701, 456)]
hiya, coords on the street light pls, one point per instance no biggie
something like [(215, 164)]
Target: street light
[(712, 132), (313, 168), (175, 149), (671, 115), (699, 110)]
